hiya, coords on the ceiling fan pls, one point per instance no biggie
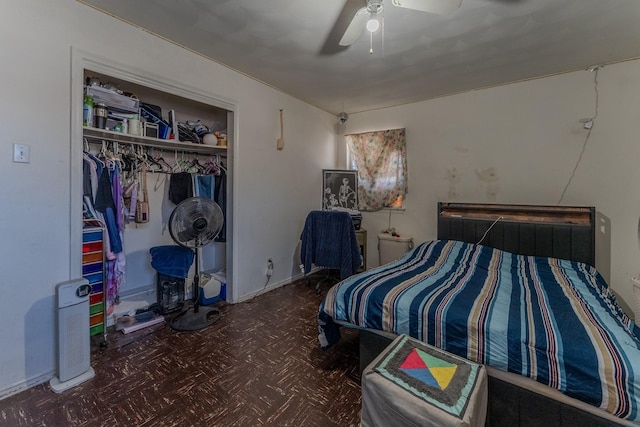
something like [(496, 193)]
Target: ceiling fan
[(369, 16)]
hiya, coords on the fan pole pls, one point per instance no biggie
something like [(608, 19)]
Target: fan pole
[(196, 283)]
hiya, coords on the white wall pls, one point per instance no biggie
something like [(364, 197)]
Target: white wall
[(273, 190), (530, 134)]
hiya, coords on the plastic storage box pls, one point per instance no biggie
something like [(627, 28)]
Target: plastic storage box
[(213, 288)]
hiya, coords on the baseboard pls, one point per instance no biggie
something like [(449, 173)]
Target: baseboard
[(148, 293), (273, 286), (23, 385), (265, 289)]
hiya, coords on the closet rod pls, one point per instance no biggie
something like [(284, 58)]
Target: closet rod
[(96, 136)]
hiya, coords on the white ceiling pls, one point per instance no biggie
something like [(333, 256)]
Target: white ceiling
[(292, 45)]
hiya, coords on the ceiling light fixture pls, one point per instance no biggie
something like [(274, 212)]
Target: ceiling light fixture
[(364, 17), (375, 8), (373, 24)]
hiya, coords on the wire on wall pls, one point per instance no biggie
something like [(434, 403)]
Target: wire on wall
[(590, 122), (489, 229)]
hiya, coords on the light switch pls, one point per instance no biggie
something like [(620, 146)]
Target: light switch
[(21, 153)]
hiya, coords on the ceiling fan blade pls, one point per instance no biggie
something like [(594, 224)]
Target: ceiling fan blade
[(439, 7), (355, 28)]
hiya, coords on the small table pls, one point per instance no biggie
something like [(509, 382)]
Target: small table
[(414, 384)]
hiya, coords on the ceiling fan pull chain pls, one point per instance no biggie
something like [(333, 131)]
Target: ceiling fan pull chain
[(382, 35), (370, 43)]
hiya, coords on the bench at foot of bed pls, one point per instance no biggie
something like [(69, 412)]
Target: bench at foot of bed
[(414, 384)]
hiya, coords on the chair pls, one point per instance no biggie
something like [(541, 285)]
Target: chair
[(329, 241)]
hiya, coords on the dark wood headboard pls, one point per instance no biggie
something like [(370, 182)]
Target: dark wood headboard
[(566, 232)]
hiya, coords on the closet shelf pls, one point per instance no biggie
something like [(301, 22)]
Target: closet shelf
[(98, 135)]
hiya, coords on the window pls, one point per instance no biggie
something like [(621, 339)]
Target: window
[(381, 160)]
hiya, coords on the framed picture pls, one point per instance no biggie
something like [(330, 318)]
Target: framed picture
[(339, 189)]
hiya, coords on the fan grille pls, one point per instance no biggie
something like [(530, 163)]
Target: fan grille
[(195, 222)]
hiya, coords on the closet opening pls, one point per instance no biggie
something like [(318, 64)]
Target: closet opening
[(142, 162)]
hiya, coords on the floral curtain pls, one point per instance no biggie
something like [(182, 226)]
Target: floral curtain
[(381, 160)]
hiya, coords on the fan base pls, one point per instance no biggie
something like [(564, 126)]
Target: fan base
[(190, 320)]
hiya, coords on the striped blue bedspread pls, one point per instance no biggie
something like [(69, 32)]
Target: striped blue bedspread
[(548, 319)]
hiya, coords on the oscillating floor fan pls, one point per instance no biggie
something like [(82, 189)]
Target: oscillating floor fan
[(194, 223)]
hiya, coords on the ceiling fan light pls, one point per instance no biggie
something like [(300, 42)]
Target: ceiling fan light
[(373, 24)]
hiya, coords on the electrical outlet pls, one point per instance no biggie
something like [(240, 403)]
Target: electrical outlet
[(21, 153), (269, 267)]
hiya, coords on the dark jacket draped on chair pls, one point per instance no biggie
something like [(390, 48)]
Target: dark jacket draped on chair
[(329, 241)]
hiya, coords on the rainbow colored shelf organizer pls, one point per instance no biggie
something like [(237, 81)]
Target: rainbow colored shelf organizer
[(93, 271)]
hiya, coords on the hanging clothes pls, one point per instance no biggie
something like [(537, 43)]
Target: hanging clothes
[(92, 179), (213, 187), (113, 294), (104, 203), (103, 197), (167, 206), (89, 178), (87, 190), (130, 198), (116, 189), (204, 186), (220, 197), (180, 187)]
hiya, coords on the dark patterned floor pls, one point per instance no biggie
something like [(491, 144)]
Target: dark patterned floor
[(259, 365)]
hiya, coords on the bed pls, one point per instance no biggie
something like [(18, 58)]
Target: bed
[(514, 288)]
